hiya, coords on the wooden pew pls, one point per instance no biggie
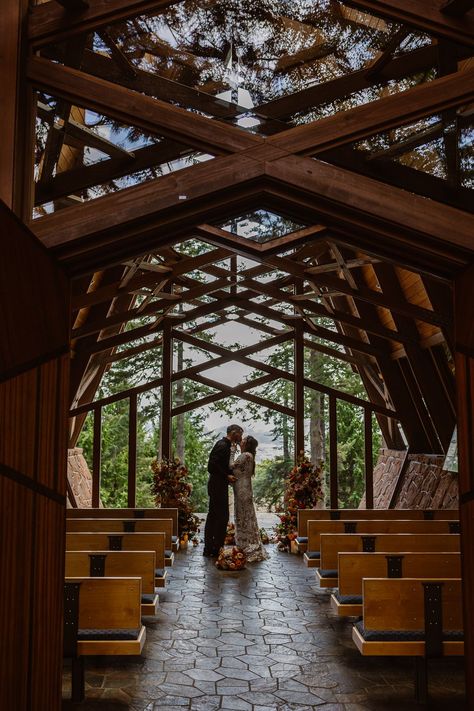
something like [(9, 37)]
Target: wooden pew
[(110, 564), (316, 528), (171, 513), (305, 515), (420, 618), (101, 616), (123, 541), (353, 567), (333, 544), (126, 525)]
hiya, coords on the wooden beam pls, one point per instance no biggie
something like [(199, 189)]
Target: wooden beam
[(377, 116), (78, 179), (426, 17), (166, 393), (339, 192), (409, 63), (111, 213), (425, 373), (333, 477), (456, 8), (131, 108), (50, 23), (368, 460), (96, 457), (132, 452), (401, 176)]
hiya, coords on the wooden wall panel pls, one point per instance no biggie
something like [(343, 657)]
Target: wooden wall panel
[(33, 451), (34, 388), (464, 360), (16, 504), (33, 324)]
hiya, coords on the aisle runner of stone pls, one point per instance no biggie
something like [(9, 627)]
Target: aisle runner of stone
[(263, 639)]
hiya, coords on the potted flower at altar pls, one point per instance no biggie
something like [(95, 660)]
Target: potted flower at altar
[(303, 490), (171, 488)]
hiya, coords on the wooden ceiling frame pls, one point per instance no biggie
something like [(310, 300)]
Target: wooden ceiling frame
[(429, 18), (275, 168)]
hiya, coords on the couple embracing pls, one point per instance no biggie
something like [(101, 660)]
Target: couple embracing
[(226, 469)]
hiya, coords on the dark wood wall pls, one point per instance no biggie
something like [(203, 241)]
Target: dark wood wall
[(34, 383), (464, 315)]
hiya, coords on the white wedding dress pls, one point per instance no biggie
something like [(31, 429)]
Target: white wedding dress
[(247, 534)]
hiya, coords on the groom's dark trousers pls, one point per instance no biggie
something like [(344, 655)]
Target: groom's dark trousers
[(218, 490)]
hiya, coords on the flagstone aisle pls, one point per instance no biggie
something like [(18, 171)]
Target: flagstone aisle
[(263, 639)]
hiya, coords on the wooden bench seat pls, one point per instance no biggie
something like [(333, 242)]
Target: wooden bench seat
[(102, 616), (333, 544), (117, 564), (420, 618), (123, 541), (126, 525), (316, 528), (353, 567), (305, 515), (137, 513)]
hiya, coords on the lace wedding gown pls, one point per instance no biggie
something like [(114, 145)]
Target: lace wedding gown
[(247, 534)]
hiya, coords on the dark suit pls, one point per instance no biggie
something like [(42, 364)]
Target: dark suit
[(217, 488)]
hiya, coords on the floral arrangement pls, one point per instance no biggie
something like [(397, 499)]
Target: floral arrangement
[(171, 488), (231, 559), (303, 490), (230, 535)]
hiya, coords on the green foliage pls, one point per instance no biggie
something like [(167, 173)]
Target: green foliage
[(269, 482)]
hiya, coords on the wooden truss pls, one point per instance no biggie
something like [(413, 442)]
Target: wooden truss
[(364, 277)]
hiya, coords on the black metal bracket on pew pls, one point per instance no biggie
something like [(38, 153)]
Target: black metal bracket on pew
[(97, 565), (129, 526), (335, 515), (139, 513), (454, 527), (433, 638), (394, 566), (350, 526), (71, 625), (115, 543), (368, 544)]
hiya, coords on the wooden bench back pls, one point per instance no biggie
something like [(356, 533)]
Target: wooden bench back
[(353, 567), (333, 544), (398, 603), (109, 603), (130, 542), (140, 564), (316, 528), (305, 515), (119, 525), (171, 513)]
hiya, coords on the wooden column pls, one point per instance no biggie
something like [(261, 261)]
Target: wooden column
[(299, 392), (34, 371), (16, 116), (464, 359), (166, 391), (96, 457), (132, 451), (368, 459), (333, 452)]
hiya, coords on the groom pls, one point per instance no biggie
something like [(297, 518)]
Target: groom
[(220, 476)]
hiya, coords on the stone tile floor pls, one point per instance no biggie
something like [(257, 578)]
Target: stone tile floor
[(263, 639)]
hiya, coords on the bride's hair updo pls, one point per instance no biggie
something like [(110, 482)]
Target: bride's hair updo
[(251, 445)]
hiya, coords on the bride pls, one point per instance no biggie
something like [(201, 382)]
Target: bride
[(247, 534)]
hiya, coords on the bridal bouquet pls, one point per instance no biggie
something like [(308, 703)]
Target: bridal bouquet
[(230, 535), (231, 559)]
